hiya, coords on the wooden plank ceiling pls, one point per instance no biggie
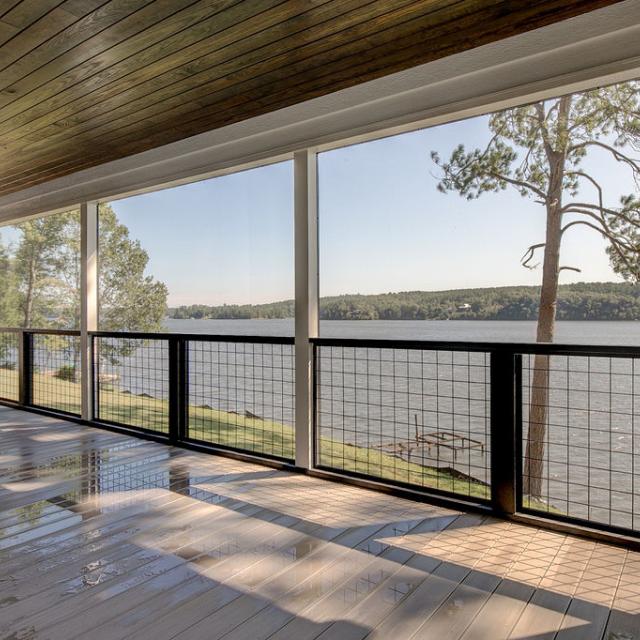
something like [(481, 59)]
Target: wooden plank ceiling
[(87, 81)]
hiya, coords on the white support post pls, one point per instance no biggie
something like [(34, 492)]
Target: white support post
[(306, 307), (88, 299)]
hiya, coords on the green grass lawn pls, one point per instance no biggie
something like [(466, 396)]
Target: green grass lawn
[(9, 384), (277, 439), (250, 434)]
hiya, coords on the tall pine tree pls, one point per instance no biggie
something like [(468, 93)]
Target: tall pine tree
[(540, 150)]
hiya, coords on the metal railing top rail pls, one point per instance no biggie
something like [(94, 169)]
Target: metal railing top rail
[(200, 337), (543, 348), (50, 332)]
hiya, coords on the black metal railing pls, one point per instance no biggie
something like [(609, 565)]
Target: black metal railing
[(537, 429), (232, 392), (581, 452), (543, 429), (48, 369), (131, 381), (9, 364), (241, 395), (413, 416)]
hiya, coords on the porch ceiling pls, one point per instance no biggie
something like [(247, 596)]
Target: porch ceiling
[(83, 82)]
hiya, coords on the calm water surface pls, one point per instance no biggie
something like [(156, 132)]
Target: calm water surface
[(596, 333)]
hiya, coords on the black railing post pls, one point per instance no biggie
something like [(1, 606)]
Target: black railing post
[(504, 413), (25, 368), (177, 388), (94, 378), (315, 384), (183, 377), (518, 434)]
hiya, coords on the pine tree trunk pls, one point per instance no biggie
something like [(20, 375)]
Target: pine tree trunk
[(29, 294), (539, 400)]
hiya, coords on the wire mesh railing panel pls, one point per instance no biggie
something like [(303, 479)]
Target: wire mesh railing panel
[(241, 395), (55, 372), (410, 416), (581, 437), (9, 374), (131, 382)]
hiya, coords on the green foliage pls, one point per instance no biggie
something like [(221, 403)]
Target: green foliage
[(32, 289), (130, 300), (67, 372), (581, 301), (40, 277), (284, 309), (625, 258), (8, 302)]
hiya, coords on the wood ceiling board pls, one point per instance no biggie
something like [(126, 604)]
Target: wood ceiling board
[(162, 106), (7, 32), (364, 45), (15, 119), (14, 24), (358, 40), (22, 43), (155, 67), (103, 80), (25, 13), (7, 5), (98, 51), (216, 70), (261, 92), (66, 31)]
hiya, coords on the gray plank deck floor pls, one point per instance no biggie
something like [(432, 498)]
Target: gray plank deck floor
[(106, 536)]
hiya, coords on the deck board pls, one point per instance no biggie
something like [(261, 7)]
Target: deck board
[(110, 537)]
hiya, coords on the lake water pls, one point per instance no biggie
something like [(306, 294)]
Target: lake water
[(378, 398), (595, 333)]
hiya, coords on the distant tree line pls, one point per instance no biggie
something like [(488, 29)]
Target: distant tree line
[(284, 309), (581, 301)]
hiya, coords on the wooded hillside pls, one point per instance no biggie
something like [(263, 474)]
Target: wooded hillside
[(581, 301)]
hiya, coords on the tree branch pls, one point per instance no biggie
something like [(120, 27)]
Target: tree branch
[(578, 207), (604, 230), (592, 180), (528, 255), (519, 183), (586, 224), (616, 153), (616, 243)]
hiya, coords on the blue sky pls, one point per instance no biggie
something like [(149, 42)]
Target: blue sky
[(383, 227), (225, 240)]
